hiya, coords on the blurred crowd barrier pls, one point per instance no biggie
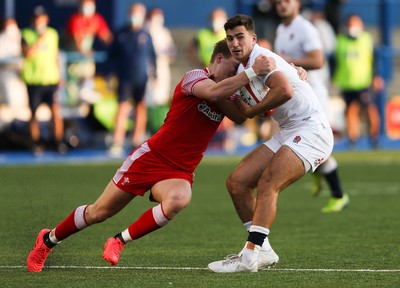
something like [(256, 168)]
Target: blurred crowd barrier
[(89, 105)]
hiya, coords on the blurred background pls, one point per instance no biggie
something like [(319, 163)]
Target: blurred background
[(87, 90)]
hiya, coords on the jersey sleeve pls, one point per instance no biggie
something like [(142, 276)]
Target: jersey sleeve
[(312, 39), (191, 78)]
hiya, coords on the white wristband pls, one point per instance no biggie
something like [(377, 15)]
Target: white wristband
[(250, 73)]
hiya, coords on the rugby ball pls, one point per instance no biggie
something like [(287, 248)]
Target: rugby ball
[(254, 92)]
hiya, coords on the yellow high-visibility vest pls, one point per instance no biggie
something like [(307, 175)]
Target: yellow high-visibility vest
[(206, 40), (354, 62), (42, 68)]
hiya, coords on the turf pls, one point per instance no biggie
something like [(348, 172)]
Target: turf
[(359, 247)]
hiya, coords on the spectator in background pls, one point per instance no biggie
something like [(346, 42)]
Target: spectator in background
[(158, 96), (41, 74), (12, 90), (355, 74), (133, 58), (82, 29), (85, 25), (200, 49)]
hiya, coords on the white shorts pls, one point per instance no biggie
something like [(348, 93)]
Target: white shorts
[(312, 142)]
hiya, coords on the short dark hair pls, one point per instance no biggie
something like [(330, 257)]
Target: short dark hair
[(221, 47), (240, 20)]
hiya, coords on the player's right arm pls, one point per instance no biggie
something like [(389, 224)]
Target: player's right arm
[(280, 91), (215, 91)]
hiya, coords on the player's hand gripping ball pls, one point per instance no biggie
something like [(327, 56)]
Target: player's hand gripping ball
[(254, 92)]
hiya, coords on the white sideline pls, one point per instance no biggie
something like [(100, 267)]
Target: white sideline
[(201, 268)]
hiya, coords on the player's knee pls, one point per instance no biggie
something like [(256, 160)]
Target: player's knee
[(233, 185), (176, 202)]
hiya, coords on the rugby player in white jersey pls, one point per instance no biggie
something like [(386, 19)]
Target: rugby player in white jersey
[(305, 140), (299, 42)]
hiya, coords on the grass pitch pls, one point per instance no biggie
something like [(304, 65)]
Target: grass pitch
[(359, 247)]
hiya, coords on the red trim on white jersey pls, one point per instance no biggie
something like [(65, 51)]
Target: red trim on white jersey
[(248, 88)]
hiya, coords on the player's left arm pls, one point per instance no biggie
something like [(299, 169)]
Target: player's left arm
[(280, 91)]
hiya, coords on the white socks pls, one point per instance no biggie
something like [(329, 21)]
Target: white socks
[(250, 250), (250, 253)]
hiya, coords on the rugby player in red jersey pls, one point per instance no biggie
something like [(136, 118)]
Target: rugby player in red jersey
[(165, 163)]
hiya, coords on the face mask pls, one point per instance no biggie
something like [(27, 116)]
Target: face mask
[(88, 9), (218, 25), (137, 20), (41, 28), (354, 31)]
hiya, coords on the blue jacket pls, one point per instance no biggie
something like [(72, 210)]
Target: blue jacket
[(132, 55)]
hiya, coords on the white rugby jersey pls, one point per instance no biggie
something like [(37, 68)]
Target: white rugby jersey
[(304, 106), (295, 40)]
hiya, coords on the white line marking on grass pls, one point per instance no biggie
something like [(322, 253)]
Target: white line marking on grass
[(202, 268)]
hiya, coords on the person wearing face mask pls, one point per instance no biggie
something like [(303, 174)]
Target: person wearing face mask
[(356, 75), (85, 25), (12, 89), (82, 28), (41, 74), (158, 96), (132, 59), (200, 49)]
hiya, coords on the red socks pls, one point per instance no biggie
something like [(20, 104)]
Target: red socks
[(72, 224), (150, 221)]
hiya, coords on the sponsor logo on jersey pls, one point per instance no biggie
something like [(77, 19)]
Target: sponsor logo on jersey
[(206, 110)]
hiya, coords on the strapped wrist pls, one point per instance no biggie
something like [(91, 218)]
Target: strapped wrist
[(250, 73)]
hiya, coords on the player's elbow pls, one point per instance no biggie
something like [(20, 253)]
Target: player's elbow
[(318, 63), (239, 119), (286, 93), (316, 60)]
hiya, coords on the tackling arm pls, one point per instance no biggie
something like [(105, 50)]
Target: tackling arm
[(213, 92)]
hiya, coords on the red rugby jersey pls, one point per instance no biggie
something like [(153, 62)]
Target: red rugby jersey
[(189, 126)]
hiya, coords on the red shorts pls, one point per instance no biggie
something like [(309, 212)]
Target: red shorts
[(143, 168)]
